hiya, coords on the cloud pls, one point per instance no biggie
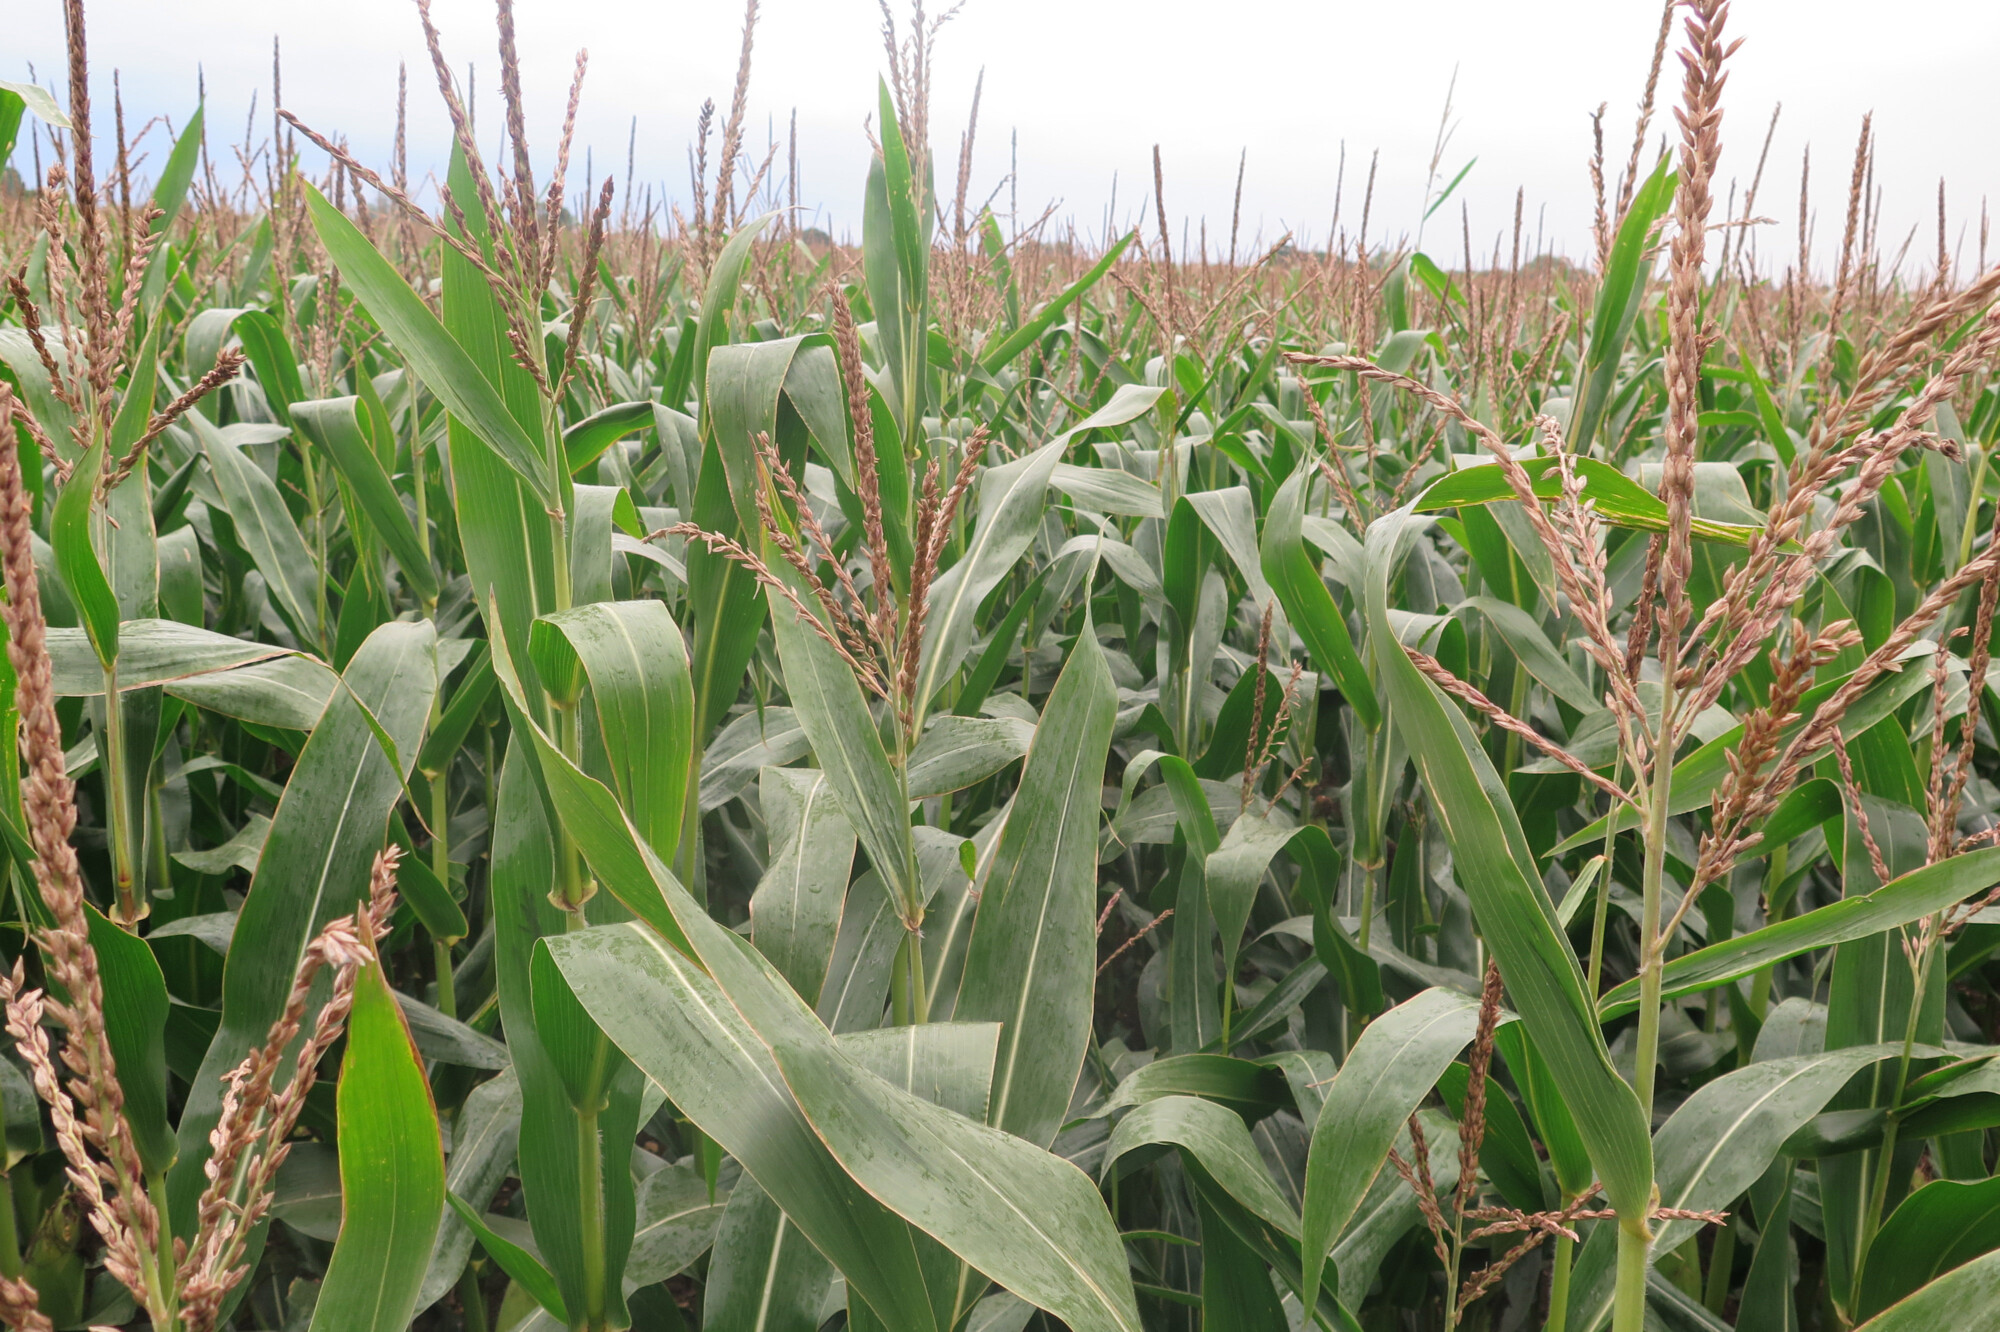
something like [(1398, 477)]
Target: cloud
[(1078, 91)]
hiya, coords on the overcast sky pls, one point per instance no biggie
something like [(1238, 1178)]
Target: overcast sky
[(1087, 87)]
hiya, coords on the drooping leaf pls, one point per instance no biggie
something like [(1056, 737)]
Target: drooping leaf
[(1215, 1137)]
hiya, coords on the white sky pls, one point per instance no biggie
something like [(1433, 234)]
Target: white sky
[(1090, 85)]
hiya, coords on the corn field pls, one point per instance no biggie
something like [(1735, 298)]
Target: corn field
[(584, 764)]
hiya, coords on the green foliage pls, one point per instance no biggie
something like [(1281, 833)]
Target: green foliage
[(1004, 815)]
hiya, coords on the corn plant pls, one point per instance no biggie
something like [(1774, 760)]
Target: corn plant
[(589, 765)]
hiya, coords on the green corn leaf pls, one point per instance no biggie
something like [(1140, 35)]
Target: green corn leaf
[(586, 441), (1553, 1122), (1109, 490), (1010, 1210), (1716, 1145), (1507, 1155), (1531, 647), (1390, 1208), (1010, 513), (1196, 1019), (503, 525), (333, 426), (588, 810), (522, 1267), (1027, 335), (1294, 578), (764, 1272), (314, 864), (746, 384), (1128, 402), (266, 529), (76, 556), (864, 950), (1497, 871), (637, 665), (947, 1064), (135, 1021), (1231, 746), (579, 1052), (1214, 1136), (169, 194), (797, 906), (678, 1216), (1961, 1298), (719, 299), (1619, 499), (1250, 1088), (484, 1136), (438, 358), (553, 1160), (391, 1170), (1617, 306), (427, 895), (1234, 872), (594, 512), (1231, 516), (288, 692), (1697, 776), (467, 701), (124, 534), (725, 601), (270, 354), (831, 707), (956, 752), (677, 1024), (1236, 1293), (1269, 1243), (1940, 1227), (1031, 962), (1909, 898), (985, 673), (150, 652), (34, 97), (1388, 1073)]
